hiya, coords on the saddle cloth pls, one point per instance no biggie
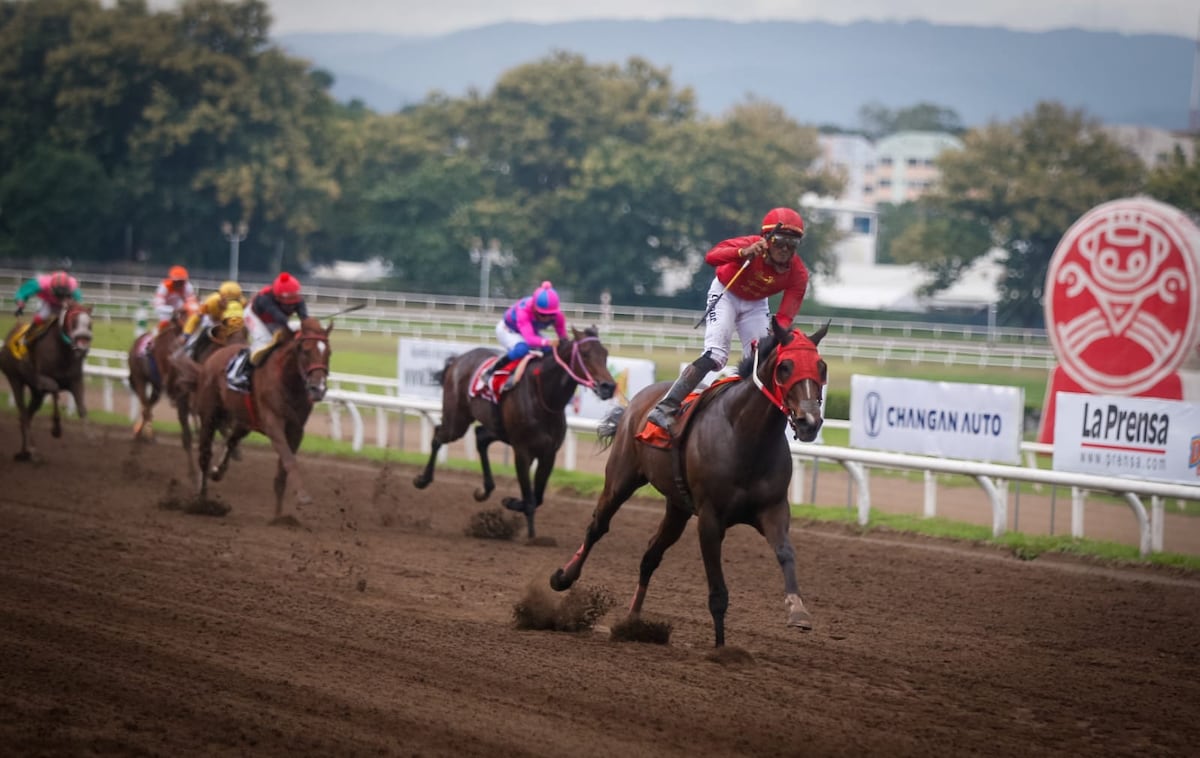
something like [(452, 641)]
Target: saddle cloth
[(655, 436), (500, 378), (16, 343)]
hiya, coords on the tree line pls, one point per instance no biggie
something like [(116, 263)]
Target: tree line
[(131, 135)]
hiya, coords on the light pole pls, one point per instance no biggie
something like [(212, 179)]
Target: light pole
[(235, 237), (485, 259)]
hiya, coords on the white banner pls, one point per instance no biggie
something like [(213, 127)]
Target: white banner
[(418, 360), (976, 422), (1139, 437), (631, 374)]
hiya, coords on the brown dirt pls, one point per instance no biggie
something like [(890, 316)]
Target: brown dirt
[(377, 626)]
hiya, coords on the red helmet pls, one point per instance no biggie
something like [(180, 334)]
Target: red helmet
[(545, 300), (286, 288), (62, 283), (178, 274), (783, 221)]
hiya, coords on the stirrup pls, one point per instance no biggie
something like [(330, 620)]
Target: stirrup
[(661, 417)]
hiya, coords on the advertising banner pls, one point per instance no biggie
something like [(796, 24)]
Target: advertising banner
[(978, 422), (1113, 435)]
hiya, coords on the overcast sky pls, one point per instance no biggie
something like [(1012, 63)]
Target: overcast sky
[(430, 17)]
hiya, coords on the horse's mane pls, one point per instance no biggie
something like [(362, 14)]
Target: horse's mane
[(766, 346)]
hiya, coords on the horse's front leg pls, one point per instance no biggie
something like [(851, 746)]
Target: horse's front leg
[(56, 422), (451, 428), (185, 430), (773, 524), (617, 489), (204, 440), (526, 504), (712, 534), (81, 408), (286, 442)]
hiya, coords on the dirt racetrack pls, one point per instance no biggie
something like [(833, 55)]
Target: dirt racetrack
[(378, 627)]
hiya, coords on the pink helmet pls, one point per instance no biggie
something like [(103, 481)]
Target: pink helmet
[(545, 300), (62, 284)]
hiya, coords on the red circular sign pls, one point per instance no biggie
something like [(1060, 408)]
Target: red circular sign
[(1123, 296)]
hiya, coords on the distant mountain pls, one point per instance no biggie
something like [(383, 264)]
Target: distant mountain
[(820, 73)]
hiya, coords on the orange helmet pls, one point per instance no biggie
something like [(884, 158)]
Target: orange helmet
[(783, 221), (178, 274), (286, 288)]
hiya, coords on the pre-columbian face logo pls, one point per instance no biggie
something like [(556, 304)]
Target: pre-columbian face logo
[(1122, 296)]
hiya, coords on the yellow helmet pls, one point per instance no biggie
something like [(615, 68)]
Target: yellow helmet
[(230, 291), (234, 316)]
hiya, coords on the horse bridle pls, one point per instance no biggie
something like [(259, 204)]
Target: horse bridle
[(309, 370), (72, 339), (776, 393), (587, 380)]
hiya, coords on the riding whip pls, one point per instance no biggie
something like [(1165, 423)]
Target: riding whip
[(721, 294), (344, 311)]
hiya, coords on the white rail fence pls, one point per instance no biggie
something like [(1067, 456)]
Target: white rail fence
[(993, 479)]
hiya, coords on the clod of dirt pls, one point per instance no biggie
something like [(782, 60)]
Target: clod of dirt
[(495, 524), (641, 630), (577, 611), (730, 656), (179, 498), (361, 585)]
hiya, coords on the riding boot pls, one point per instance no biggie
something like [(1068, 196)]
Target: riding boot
[(663, 414), (198, 343), (186, 347)]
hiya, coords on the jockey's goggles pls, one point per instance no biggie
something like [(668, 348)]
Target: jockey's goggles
[(786, 242)]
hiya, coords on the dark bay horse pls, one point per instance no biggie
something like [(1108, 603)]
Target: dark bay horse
[(730, 464), (54, 363), (531, 417), (282, 394)]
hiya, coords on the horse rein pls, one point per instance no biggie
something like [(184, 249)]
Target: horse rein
[(72, 337), (308, 371), (587, 380)]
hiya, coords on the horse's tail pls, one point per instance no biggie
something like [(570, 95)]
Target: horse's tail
[(606, 430), (439, 376)]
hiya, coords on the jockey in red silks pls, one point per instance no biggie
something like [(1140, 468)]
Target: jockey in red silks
[(52, 292), (520, 329), (749, 270), (266, 318), (174, 293)]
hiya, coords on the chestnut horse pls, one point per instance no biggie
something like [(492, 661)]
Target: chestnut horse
[(531, 417), (282, 393), (54, 364), (729, 464)]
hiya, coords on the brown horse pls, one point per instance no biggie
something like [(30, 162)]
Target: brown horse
[(53, 364), (729, 464), (531, 417), (282, 394), (152, 372)]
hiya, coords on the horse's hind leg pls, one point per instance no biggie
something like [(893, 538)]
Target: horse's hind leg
[(453, 426), (616, 491), (231, 447), (526, 504), (669, 530), (24, 414), (773, 524)]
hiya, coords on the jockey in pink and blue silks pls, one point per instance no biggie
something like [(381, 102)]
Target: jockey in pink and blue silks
[(520, 329)]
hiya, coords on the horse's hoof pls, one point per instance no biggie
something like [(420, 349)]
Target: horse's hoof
[(56, 431), (513, 504), (481, 495), (23, 457), (420, 482), (216, 475), (801, 620), (303, 498), (559, 581)]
